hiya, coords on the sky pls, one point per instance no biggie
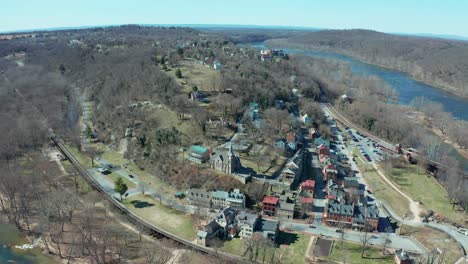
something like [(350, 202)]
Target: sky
[(448, 17)]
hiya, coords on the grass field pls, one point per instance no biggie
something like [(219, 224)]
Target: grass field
[(81, 157), (433, 196), (431, 239), (382, 190), (161, 216), (292, 249), (197, 74), (351, 253), (114, 176), (234, 246)]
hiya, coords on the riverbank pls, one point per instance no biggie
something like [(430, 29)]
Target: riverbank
[(446, 88), (11, 237)]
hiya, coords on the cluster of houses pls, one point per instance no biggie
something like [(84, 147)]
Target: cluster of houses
[(290, 204), (269, 54), (216, 199), (347, 202), (229, 223)]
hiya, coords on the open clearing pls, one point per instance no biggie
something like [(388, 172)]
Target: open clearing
[(194, 73), (292, 248), (424, 188), (161, 216), (351, 253), (383, 191)]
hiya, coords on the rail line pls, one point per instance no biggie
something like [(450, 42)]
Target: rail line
[(135, 218), (380, 141)]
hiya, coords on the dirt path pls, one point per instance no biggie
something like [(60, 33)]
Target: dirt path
[(414, 206), (309, 254)]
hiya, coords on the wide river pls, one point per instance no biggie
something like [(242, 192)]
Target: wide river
[(407, 87)]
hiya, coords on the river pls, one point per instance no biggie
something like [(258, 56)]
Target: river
[(9, 237), (407, 87)]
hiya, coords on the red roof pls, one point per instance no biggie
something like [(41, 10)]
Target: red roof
[(307, 200), (308, 183), (332, 197), (270, 199)]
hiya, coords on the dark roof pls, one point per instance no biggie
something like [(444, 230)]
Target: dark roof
[(266, 225), (341, 209), (361, 212), (212, 227)]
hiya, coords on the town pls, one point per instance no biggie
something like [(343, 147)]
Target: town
[(171, 144)]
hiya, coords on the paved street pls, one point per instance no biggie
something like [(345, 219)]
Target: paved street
[(450, 230), (350, 235), (377, 238)]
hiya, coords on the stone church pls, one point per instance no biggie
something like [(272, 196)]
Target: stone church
[(225, 161)]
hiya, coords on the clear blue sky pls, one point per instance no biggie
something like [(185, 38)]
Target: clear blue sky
[(405, 16)]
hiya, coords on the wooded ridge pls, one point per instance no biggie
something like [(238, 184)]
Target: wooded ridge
[(439, 62)]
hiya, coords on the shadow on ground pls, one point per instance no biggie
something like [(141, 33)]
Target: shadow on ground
[(141, 204)]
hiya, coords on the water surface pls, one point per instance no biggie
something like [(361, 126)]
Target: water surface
[(407, 87)]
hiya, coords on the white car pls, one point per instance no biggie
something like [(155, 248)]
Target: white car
[(463, 231), (103, 170)]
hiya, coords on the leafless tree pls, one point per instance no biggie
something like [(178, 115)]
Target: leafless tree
[(156, 254)]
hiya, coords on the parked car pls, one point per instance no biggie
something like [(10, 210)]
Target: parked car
[(339, 231), (104, 170), (131, 176), (463, 231)]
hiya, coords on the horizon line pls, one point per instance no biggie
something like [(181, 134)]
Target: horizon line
[(240, 26)]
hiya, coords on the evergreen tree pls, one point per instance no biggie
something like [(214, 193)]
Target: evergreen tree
[(120, 187)]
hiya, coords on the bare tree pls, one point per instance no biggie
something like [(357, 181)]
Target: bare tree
[(156, 254)]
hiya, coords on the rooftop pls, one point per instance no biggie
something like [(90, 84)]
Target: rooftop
[(198, 149), (267, 225), (308, 183), (287, 206), (220, 194), (270, 199)]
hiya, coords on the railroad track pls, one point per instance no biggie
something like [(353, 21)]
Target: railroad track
[(382, 142), (135, 219)]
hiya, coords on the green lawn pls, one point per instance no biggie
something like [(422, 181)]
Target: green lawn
[(291, 249), (296, 250), (235, 246), (351, 253), (161, 216), (410, 179), (382, 190), (81, 157), (114, 176)]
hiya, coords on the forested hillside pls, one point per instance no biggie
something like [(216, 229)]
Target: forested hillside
[(440, 62)]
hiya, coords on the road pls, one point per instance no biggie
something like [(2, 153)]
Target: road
[(377, 239), (414, 206), (397, 241)]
